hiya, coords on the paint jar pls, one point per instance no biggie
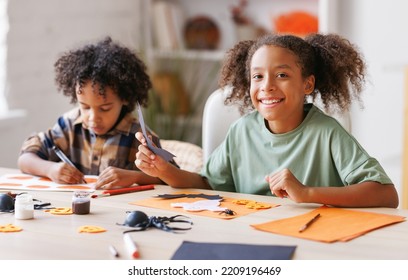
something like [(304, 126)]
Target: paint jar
[(24, 207), (81, 202)]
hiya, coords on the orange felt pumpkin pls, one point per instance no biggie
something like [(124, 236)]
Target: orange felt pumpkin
[(10, 228), (91, 229), (60, 211)]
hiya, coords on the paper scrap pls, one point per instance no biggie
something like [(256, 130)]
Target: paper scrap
[(201, 205)]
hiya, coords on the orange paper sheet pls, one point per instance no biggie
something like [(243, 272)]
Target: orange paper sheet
[(334, 224), (160, 203), (30, 182)]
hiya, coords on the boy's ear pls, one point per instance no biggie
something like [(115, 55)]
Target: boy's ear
[(309, 84)]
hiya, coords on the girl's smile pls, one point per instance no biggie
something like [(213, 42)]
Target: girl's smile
[(267, 101), (277, 88)]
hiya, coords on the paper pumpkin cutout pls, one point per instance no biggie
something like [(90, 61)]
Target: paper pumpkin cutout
[(44, 179), (241, 201), (10, 228), (10, 184), (60, 211), (251, 204), (201, 205), (21, 177), (37, 187), (257, 205), (91, 180), (91, 229)]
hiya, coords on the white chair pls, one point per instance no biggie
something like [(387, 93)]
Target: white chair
[(217, 118)]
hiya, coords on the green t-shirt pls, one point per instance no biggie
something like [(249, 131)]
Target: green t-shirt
[(319, 152)]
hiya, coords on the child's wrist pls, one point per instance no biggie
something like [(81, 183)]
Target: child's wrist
[(167, 172), (309, 193)]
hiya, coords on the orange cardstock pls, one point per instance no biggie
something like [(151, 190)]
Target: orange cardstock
[(334, 224), (226, 202), (30, 182)]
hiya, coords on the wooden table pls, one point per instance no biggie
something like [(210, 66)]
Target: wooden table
[(55, 237)]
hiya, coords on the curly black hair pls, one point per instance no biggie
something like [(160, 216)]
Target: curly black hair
[(107, 64), (337, 65)]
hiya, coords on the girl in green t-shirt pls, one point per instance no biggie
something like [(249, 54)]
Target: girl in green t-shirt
[(276, 75)]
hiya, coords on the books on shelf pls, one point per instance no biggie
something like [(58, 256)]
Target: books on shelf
[(168, 21)]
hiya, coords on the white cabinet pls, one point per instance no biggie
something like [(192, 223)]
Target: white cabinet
[(198, 70)]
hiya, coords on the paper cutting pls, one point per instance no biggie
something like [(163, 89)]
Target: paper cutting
[(60, 211), (31, 182), (200, 195), (226, 203), (91, 229), (201, 205), (158, 151), (251, 204), (10, 228)]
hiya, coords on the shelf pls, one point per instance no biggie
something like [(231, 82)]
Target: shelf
[(189, 54), (185, 128)]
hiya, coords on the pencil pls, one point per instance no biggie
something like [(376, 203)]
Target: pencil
[(65, 159), (124, 190), (305, 226)]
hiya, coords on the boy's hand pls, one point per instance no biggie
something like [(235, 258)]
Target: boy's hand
[(63, 173), (284, 184), (114, 177)]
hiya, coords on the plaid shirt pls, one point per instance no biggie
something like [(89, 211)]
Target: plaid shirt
[(90, 153)]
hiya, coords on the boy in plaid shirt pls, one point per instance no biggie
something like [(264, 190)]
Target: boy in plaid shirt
[(106, 80)]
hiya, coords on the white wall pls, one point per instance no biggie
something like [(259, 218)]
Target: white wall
[(39, 32), (378, 27)]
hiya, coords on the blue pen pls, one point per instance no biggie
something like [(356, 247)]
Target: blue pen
[(64, 158)]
